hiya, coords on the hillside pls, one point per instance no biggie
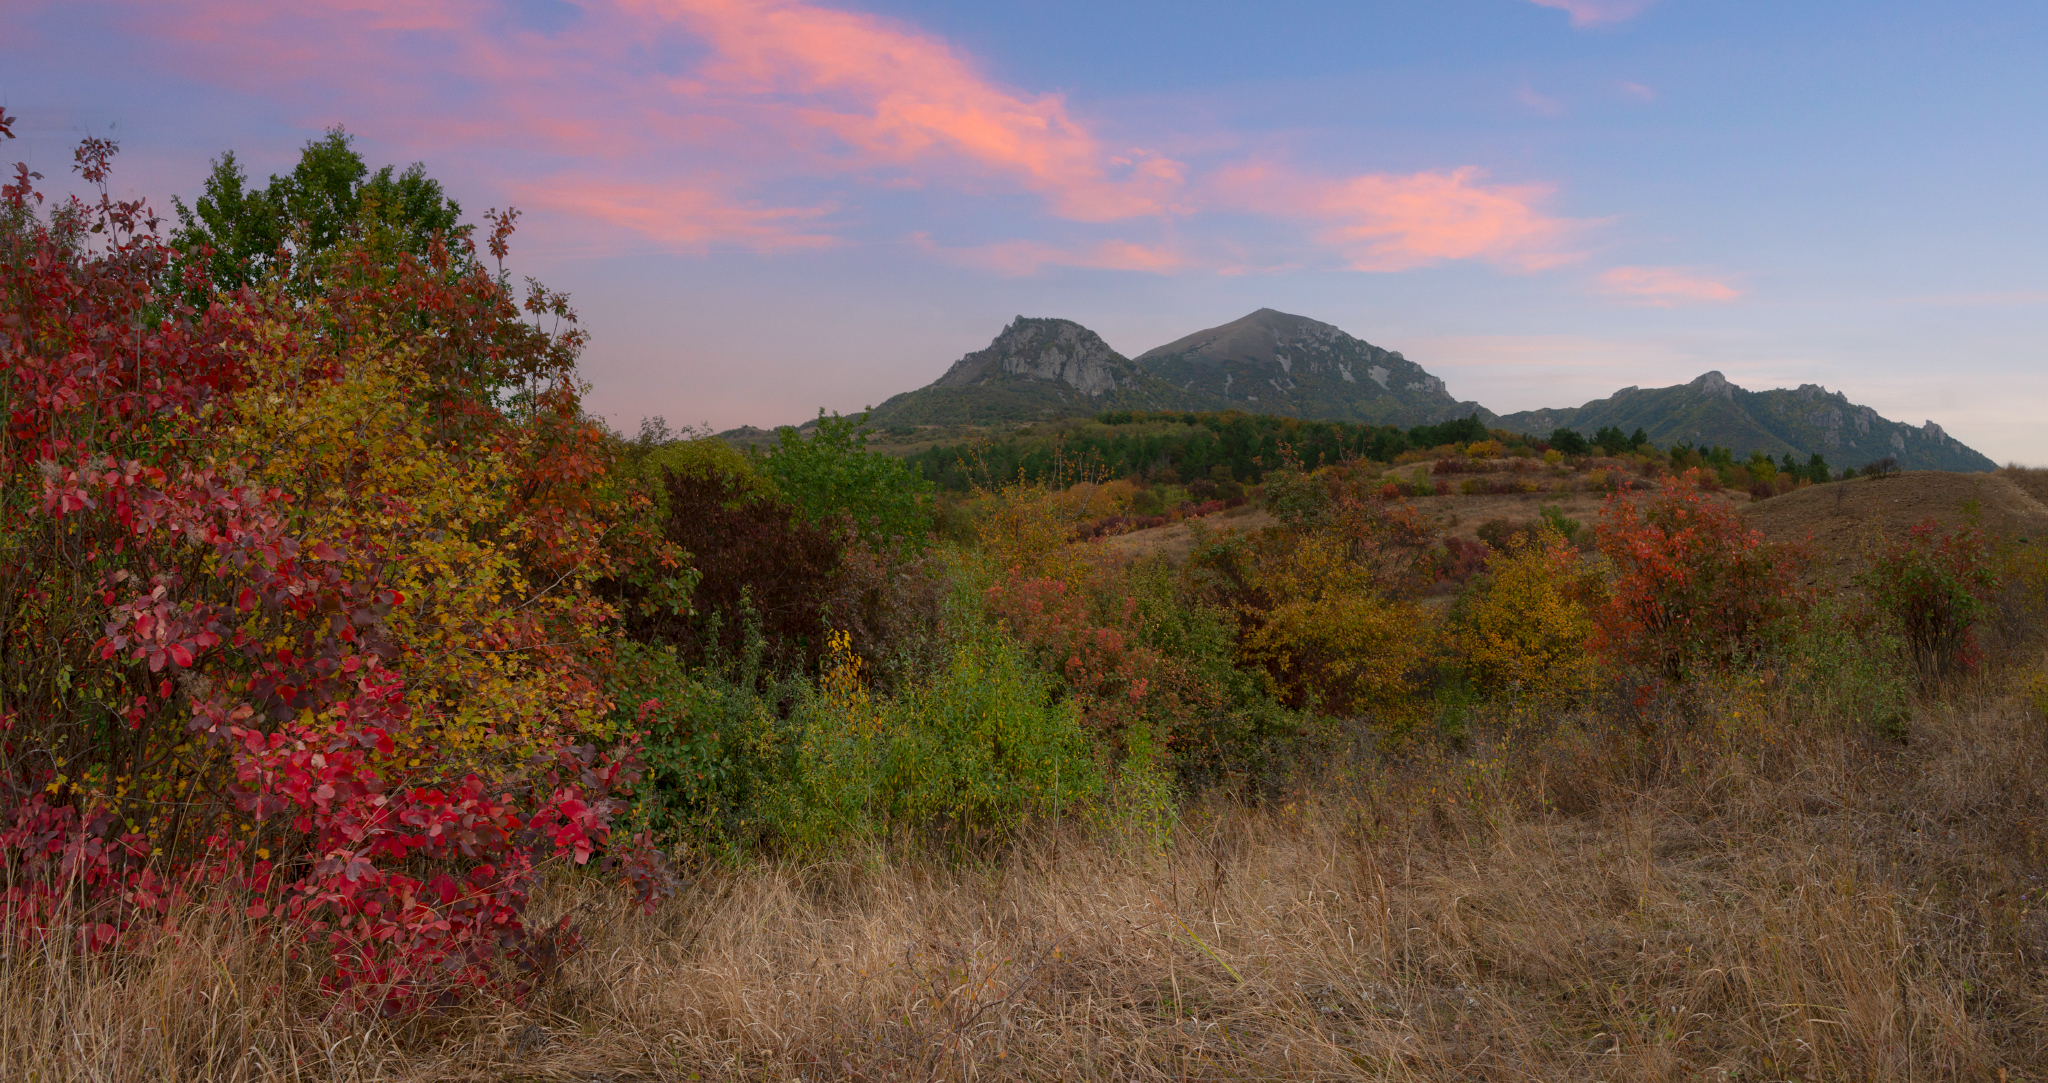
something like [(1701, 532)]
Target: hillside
[(1712, 411), (1275, 363), (1037, 368)]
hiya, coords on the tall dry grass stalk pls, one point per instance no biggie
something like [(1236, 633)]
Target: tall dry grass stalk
[(1742, 895)]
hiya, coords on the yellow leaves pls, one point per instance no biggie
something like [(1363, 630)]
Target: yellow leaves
[(1342, 651), (1525, 629), (481, 647)]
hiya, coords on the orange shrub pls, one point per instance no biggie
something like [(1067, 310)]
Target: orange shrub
[(1693, 587)]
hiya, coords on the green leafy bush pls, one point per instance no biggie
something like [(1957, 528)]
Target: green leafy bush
[(832, 473), (738, 764)]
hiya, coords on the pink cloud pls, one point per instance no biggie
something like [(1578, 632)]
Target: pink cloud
[(693, 219), (1665, 286), (1541, 103), (1639, 92), (1391, 222), (1019, 258), (895, 95), (1594, 12), (782, 95)]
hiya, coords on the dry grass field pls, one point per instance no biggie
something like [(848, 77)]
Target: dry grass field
[(1748, 894), (1742, 887)]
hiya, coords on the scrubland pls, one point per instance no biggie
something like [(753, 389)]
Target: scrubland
[(370, 712), (1754, 891)]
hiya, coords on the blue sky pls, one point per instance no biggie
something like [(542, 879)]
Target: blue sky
[(764, 208)]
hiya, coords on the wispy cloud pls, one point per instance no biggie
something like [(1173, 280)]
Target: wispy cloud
[(1639, 92), (705, 124), (1666, 286), (691, 219), (1393, 222), (1016, 258), (1541, 103), (894, 95), (1595, 12)]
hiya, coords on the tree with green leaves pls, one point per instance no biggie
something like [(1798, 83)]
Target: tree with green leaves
[(832, 473), (243, 233)]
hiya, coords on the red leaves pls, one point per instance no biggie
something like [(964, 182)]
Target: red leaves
[(159, 583), (1693, 587)]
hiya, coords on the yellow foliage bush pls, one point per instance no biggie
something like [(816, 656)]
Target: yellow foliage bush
[(1342, 653), (436, 522), (1487, 449), (1524, 630)]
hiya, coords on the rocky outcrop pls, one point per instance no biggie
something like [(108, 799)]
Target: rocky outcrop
[(1057, 351)]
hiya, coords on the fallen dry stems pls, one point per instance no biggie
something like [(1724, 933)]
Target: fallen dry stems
[(1740, 898)]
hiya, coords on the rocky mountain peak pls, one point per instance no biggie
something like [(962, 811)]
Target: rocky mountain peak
[(1060, 351), (1713, 383)]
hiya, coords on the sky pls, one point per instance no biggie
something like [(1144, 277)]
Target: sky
[(761, 209)]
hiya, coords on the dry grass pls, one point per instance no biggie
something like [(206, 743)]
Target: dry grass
[(1745, 896)]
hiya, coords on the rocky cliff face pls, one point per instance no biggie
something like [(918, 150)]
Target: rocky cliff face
[(1275, 363), (1055, 351), (1710, 410)]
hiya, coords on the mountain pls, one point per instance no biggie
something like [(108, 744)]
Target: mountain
[(1710, 411), (1274, 363), (1038, 368)]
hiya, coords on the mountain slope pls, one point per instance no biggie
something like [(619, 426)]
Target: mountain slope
[(1710, 411), (1275, 363), (1038, 368)]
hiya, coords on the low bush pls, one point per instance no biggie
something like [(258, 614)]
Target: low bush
[(1693, 588), (1937, 584), (1522, 631)]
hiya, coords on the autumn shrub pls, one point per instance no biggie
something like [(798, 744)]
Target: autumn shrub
[(1693, 589), (296, 603), (1522, 631), (1459, 560), (1937, 583), (893, 606), (1321, 602), (757, 563), (1841, 659)]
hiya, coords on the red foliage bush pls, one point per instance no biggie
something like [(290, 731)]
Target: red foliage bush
[(1693, 587), (1937, 583), (759, 562), (220, 699)]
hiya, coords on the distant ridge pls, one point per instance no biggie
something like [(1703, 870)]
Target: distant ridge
[(1272, 362), (1711, 411)]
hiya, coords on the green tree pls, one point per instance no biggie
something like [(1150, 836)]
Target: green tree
[(1569, 442), (832, 473), (299, 216)]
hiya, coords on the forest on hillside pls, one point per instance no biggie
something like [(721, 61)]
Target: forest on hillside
[(360, 691)]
